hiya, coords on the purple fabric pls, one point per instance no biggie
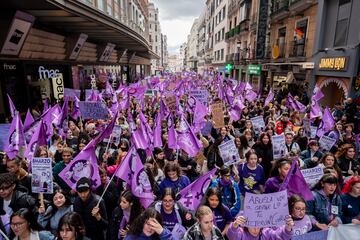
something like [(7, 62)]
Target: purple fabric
[(221, 219), (327, 123), (172, 136), (157, 132), (38, 139), (64, 112), (273, 184), (296, 184), (16, 137), (11, 106), (200, 112), (315, 110), (187, 139), (266, 234), (302, 226), (29, 119), (317, 95), (107, 132), (192, 194), (76, 109), (124, 170), (250, 95), (94, 96), (269, 98), (83, 165), (169, 220)]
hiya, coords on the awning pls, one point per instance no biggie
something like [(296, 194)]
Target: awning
[(305, 65)]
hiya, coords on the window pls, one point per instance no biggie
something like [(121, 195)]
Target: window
[(109, 7), (222, 54), (342, 23), (156, 38), (100, 5), (230, 25), (155, 27), (223, 34), (301, 30), (235, 21), (155, 17), (150, 26), (223, 13)]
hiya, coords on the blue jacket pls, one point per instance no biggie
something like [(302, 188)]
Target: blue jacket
[(230, 196), (321, 208), (306, 157), (165, 235), (177, 185)]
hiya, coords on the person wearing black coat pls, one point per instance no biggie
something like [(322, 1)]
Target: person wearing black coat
[(94, 215), (263, 149)]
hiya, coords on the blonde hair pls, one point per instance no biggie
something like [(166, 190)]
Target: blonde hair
[(203, 211)]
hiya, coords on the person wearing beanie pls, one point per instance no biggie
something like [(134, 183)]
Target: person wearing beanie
[(91, 209)]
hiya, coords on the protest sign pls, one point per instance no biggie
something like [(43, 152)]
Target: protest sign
[(115, 135), (218, 115), (93, 110), (71, 93), (41, 179), (306, 126), (229, 153), (266, 210), (201, 95), (170, 102), (313, 130), (258, 123), (4, 129), (312, 175), (88, 92), (317, 235), (206, 130), (278, 143), (326, 143)]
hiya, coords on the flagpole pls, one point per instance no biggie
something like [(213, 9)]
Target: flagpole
[(4, 235), (107, 186)]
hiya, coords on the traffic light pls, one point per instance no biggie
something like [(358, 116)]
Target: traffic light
[(229, 67)]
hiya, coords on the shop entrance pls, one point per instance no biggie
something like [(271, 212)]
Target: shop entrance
[(333, 94)]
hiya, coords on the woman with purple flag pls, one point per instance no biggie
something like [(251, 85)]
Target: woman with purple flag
[(236, 232), (173, 178), (222, 215), (325, 210), (279, 173), (123, 216)]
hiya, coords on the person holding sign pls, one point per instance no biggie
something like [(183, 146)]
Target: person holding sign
[(325, 210), (312, 156), (297, 208), (236, 232)]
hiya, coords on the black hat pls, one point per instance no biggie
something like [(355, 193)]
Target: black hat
[(83, 184)]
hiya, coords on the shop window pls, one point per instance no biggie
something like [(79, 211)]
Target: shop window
[(342, 23), (300, 35), (281, 41)]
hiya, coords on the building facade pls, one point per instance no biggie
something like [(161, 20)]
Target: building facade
[(192, 47), (155, 38)]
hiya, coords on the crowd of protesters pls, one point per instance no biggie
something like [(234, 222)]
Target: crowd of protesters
[(113, 211)]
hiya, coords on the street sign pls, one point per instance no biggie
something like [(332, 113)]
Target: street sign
[(254, 69)]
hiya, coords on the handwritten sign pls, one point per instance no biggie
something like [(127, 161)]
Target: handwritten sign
[(266, 210), (258, 123), (278, 143), (201, 95), (218, 115), (313, 130), (93, 110), (312, 175), (229, 153), (317, 235), (170, 102), (42, 179), (326, 143)]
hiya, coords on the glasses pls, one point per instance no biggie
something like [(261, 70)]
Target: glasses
[(227, 175), (16, 225), (3, 188), (300, 209)]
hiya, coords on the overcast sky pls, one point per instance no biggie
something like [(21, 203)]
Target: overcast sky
[(176, 18)]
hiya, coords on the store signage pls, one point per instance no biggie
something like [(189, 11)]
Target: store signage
[(107, 52), (78, 46), (9, 66), (58, 86), (333, 63), (47, 73), (254, 69), (261, 30), (19, 29)]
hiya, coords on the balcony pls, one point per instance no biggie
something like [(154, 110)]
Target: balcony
[(279, 10), (237, 30), (298, 6), (244, 25), (297, 49)]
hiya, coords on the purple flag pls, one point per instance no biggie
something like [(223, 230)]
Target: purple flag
[(16, 137), (76, 109), (250, 95), (291, 102), (124, 170), (192, 194), (315, 110), (157, 132), (200, 112), (12, 106), (107, 132), (148, 133), (317, 95), (269, 98), (94, 96), (327, 123), (187, 139), (248, 86), (140, 184), (295, 183), (29, 119), (64, 112), (172, 136), (83, 165), (38, 139)]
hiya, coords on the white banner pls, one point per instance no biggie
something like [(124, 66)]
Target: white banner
[(229, 153), (326, 143), (344, 232)]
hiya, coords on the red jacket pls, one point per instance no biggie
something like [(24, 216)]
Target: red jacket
[(280, 126)]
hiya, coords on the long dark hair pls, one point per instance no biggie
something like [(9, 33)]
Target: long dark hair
[(262, 135), (74, 221), (136, 228), (67, 200), (210, 192), (327, 178), (278, 164), (29, 217), (136, 207)]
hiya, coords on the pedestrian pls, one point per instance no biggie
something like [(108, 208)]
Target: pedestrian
[(71, 227)]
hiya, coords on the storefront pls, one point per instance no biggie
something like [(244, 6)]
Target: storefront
[(336, 72)]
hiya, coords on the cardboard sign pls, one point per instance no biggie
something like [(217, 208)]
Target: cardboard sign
[(326, 143), (312, 175), (317, 235), (266, 210), (93, 110), (229, 153), (42, 179), (218, 115), (201, 95), (278, 143), (170, 102)]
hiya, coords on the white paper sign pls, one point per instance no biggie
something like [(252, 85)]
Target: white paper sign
[(258, 123), (229, 153), (326, 143), (201, 95), (42, 179), (278, 143), (312, 175), (313, 130)]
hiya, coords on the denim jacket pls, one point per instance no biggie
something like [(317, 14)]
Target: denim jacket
[(322, 210)]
